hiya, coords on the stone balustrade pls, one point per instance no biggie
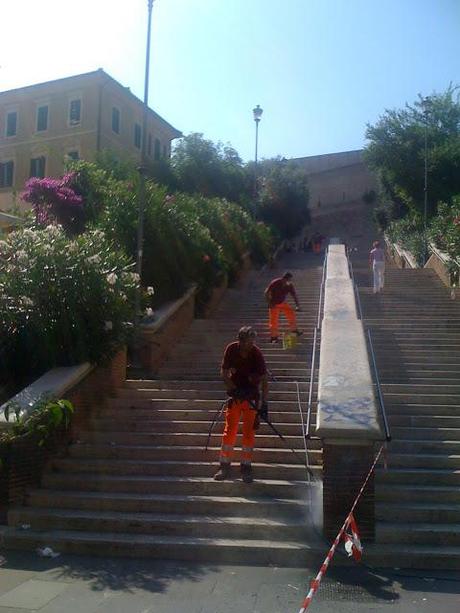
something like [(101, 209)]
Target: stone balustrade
[(348, 415)]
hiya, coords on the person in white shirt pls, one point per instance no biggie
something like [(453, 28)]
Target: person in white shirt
[(377, 262)]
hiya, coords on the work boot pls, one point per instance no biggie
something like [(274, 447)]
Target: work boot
[(246, 473), (274, 339), (223, 472)]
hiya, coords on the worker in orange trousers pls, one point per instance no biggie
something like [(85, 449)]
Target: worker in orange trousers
[(276, 294), (243, 371)]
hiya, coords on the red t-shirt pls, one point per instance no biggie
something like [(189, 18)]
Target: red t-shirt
[(248, 370), (279, 290)]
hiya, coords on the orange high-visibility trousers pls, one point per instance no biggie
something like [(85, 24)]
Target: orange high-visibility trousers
[(232, 419), (289, 313)]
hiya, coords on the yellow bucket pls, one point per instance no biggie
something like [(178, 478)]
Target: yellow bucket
[(289, 340)]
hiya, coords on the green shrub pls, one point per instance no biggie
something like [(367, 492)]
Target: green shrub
[(445, 228), (62, 301), (409, 234), (48, 419)]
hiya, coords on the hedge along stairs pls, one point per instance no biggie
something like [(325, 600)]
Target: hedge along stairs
[(138, 481)]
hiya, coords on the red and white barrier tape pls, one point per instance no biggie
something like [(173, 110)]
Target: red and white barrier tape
[(355, 545)]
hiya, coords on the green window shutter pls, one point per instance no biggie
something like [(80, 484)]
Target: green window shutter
[(42, 118), (11, 124)]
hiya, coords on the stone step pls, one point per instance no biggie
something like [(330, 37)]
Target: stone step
[(418, 512), (427, 460), (175, 468), (425, 421), (158, 413), (144, 453), (422, 476), (207, 359), (173, 524), (426, 399), (215, 550), (388, 371), (419, 533), (395, 409), (413, 325), (424, 446), (438, 434), (430, 378), (248, 505), (161, 384), (179, 439), (420, 353), (210, 394), (416, 493), (394, 388), (204, 486), (299, 374), (187, 426)]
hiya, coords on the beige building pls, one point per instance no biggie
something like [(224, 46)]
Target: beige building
[(43, 125), (336, 180)]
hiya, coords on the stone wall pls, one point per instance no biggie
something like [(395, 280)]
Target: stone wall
[(158, 338), (337, 179), (25, 460)]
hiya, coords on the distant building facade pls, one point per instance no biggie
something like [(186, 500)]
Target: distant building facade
[(43, 125), (336, 179)]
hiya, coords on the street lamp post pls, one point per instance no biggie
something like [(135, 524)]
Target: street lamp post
[(142, 171), (425, 104), (257, 113)]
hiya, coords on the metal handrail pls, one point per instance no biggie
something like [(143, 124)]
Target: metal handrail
[(313, 353), (379, 390), (358, 302), (371, 346), (312, 377), (302, 423), (321, 292), (355, 289)]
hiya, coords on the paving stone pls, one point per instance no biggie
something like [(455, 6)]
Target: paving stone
[(32, 594)]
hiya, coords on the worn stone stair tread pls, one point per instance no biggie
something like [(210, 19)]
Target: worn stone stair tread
[(419, 471), (31, 512), (96, 462), (168, 479), (169, 497), (55, 536), (427, 441), (183, 447), (386, 527), (381, 549), (439, 489), (417, 506)]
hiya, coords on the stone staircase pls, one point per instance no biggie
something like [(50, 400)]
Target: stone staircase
[(416, 335), (138, 482)]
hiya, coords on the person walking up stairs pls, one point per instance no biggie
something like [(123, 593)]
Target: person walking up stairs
[(276, 294)]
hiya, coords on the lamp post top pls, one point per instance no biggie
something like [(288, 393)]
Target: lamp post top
[(257, 112)]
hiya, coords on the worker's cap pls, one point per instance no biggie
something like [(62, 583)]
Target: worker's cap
[(287, 275), (246, 332)]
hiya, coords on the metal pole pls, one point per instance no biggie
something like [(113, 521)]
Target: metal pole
[(425, 103), (142, 171), (255, 167)]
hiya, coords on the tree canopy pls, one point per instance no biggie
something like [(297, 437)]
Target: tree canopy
[(396, 151)]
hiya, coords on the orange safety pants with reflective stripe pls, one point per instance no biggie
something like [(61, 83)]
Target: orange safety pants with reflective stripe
[(274, 316), (232, 420)]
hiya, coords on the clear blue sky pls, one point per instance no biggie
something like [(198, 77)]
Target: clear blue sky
[(320, 69)]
